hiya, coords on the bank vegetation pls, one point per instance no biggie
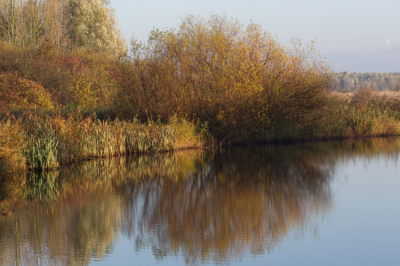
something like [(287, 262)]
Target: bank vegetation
[(210, 80)]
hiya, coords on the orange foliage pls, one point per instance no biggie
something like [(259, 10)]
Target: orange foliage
[(240, 80), (17, 93)]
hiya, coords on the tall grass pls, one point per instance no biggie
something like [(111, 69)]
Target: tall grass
[(365, 113), (43, 141), (93, 138), (190, 134)]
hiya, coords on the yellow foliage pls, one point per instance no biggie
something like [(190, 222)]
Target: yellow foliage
[(17, 93), (11, 140), (238, 79), (84, 93)]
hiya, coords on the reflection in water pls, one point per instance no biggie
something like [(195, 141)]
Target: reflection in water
[(244, 199), (203, 206)]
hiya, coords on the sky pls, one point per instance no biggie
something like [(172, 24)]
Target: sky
[(354, 35)]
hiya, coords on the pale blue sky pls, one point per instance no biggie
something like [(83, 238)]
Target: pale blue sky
[(355, 35)]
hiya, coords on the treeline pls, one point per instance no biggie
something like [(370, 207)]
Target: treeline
[(344, 81)]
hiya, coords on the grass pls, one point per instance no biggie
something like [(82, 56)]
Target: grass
[(39, 141), (364, 113)]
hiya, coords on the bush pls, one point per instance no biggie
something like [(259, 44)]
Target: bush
[(11, 144), (80, 78), (17, 93), (241, 81)]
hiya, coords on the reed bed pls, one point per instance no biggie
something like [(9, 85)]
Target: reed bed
[(42, 142), (364, 113), (92, 138)]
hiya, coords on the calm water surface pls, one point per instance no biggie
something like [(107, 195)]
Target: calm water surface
[(324, 203)]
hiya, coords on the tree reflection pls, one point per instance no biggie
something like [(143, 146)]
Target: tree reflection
[(201, 205), (244, 200), (77, 216), (71, 235)]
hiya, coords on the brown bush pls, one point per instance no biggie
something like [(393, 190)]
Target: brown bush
[(17, 93), (240, 80), (79, 78)]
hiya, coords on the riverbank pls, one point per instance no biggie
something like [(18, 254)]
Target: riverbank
[(79, 180), (243, 86), (38, 141)]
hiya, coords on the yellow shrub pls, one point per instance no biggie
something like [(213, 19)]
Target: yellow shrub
[(238, 79), (11, 145), (17, 93), (84, 93)]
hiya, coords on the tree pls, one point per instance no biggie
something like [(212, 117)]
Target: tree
[(94, 26), (11, 21), (31, 22), (65, 24), (55, 21), (238, 79)]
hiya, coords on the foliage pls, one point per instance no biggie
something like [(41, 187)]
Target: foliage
[(77, 78), (210, 80), (62, 24), (365, 113), (238, 79), (189, 134), (34, 22), (17, 93), (94, 26), (11, 141)]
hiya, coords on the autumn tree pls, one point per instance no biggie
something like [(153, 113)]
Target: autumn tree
[(94, 26), (239, 79), (11, 18), (64, 24)]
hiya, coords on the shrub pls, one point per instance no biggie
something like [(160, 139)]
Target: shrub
[(240, 80), (11, 145), (17, 93)]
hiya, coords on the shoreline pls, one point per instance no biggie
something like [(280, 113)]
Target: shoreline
[(204, 146), (20, 185)]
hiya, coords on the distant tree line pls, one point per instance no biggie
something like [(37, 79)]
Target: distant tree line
[(377, 81)]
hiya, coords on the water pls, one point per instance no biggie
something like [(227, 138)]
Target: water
[(323, 203)]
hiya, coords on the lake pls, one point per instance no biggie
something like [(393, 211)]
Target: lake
[(312, 203)]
